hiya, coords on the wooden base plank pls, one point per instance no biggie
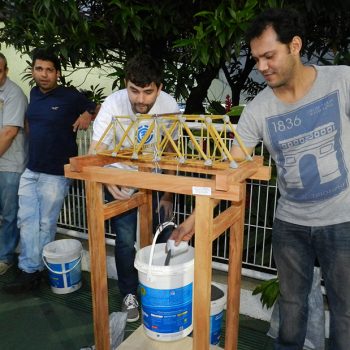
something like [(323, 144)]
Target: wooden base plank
[(140, 341)]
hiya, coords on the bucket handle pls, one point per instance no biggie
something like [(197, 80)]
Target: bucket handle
[(160, 228), (65, 271)]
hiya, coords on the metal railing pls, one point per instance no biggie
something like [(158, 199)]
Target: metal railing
[(260, 209)]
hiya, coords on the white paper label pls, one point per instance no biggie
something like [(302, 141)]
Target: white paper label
[(204, 191)]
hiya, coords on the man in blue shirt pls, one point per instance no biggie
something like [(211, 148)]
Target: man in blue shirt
[(54, 114)]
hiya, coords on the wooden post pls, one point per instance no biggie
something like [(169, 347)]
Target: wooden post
[(97, 250), (234, 275), (202, 272), (145, 217)]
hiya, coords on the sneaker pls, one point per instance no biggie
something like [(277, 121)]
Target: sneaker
[(24, 282), (4, 267), (130, 306)]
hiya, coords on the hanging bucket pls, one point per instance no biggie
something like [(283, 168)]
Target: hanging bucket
[(63, 260), (218, 301), (166, 291)]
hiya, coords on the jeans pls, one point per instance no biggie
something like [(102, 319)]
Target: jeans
[(295, 249), (41, 198), (315, 332), (124, 227), (9, 232)]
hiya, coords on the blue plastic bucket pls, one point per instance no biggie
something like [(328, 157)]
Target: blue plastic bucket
[(166, 290), (63, 260), (218, 301), (166, 293)]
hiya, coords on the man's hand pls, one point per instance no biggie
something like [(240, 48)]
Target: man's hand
[(185, 231), (117, 192), (83, 122), (166, 202), (120, 193)]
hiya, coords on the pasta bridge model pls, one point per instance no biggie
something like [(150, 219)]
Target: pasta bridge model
[(147, 138), (205, 153)]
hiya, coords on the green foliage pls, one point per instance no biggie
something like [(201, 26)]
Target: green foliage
[(216, 108), (95, 33), (95, 94), (327, 30), (222, 28), (235, 111), (269, 291), (189, 36)]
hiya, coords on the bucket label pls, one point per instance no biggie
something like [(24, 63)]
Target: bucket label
[(167, 310), (215, 328), (61, 279)]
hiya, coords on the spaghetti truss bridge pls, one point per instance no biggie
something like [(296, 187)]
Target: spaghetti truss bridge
[(163, 138)]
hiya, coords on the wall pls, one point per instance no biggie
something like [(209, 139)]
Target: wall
[(82, 78), (85, 77)]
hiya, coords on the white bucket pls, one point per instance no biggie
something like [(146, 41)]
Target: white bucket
[(63, 260), (166, 291), (167, 294), (218, 301)]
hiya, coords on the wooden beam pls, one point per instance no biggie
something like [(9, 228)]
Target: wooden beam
[(234, 275), (117, 207), (97, 252), (224, 220), (227, 177), (78, 163), (156, 181), (247, 170), (145, 217), (202, 272)]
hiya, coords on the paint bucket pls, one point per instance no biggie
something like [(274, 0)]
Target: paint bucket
[(218, 301), (166, 291), (63, 260)]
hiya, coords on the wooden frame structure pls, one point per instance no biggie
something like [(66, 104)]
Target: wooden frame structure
[(225, 183)]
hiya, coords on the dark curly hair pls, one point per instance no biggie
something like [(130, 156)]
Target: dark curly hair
[(287, 23), (46, 54), (143, 69)]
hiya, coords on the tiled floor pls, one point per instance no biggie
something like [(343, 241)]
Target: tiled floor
[(43, 320)]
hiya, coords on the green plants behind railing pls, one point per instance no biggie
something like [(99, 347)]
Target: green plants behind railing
[(269, 291), (235, 111)]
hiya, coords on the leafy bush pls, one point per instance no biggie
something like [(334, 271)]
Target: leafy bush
[(269, 291)]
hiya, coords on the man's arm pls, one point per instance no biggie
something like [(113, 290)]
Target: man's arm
[(93, 147), (238, 154), (83, 121), (116, 191), (185, 230), (7, 135)]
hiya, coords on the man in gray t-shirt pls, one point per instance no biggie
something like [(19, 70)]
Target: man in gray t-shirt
[(303, 117), (13, 157)]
